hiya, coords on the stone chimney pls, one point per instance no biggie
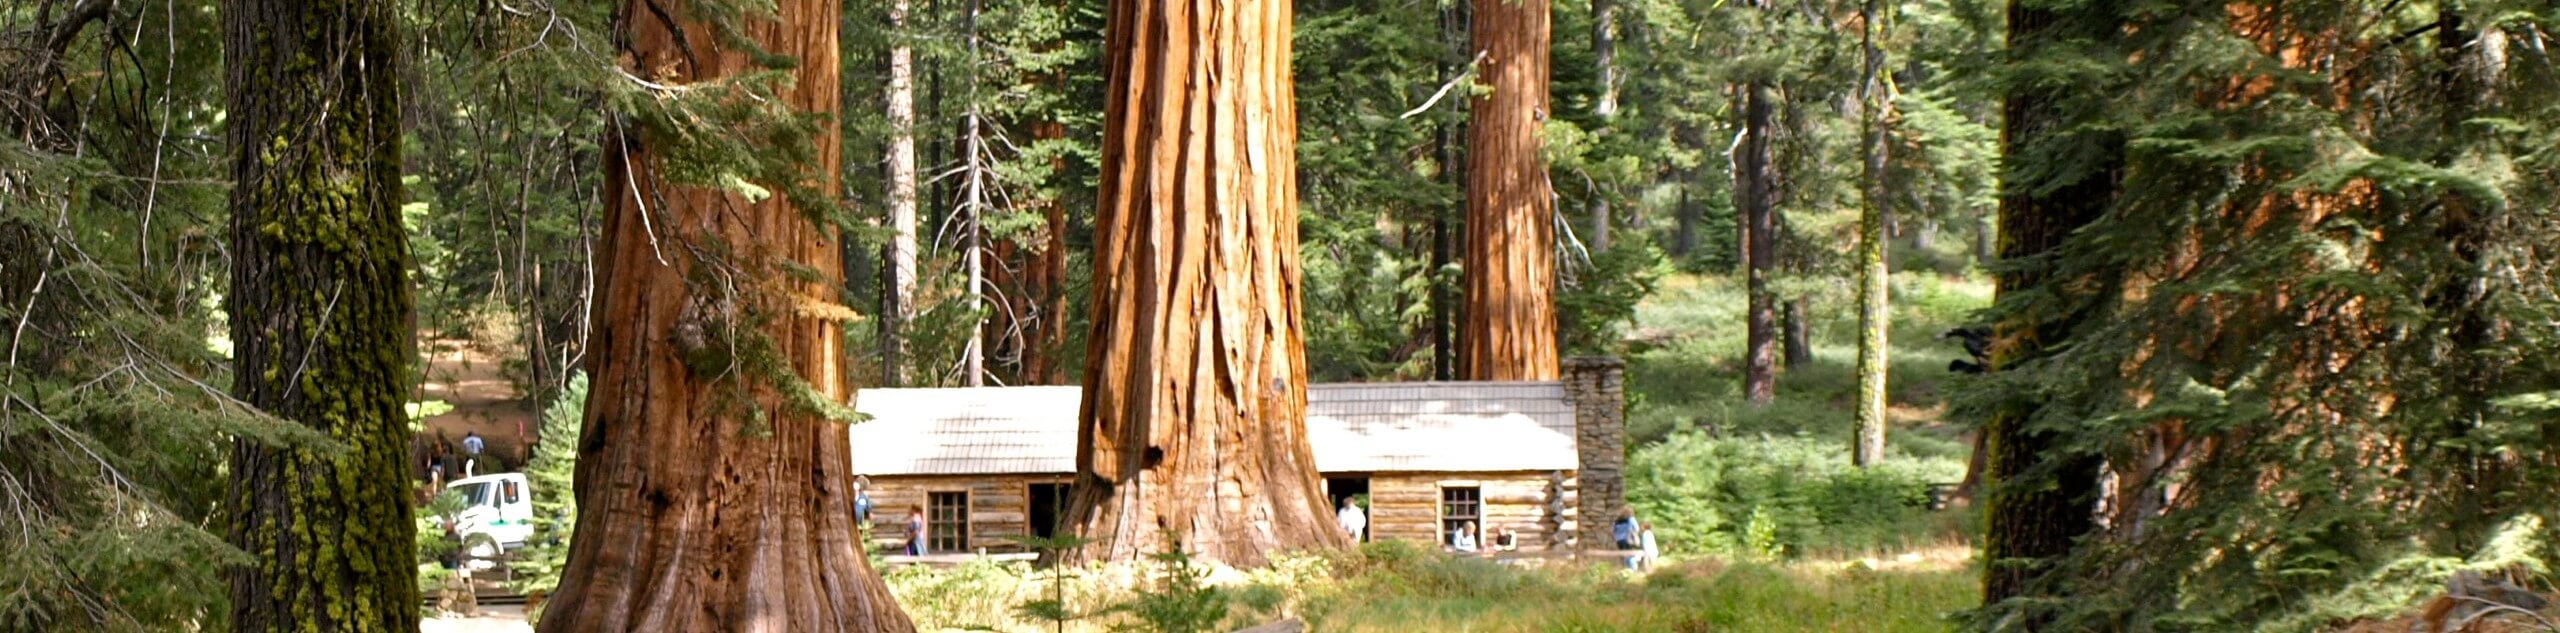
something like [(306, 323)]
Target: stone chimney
[(1597, 386)]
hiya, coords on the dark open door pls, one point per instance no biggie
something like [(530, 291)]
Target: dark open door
[(1048, 505), (1338, 488)]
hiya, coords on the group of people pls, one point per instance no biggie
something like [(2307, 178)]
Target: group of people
[(1465, 539), (440, 464), (1634, 536), (916, 527)]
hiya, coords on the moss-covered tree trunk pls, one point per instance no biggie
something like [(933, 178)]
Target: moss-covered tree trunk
[(2042, 492), (1874, 317), (320, 316), (1755, 194), (1194, 420), (1508, 328), (712, 496)]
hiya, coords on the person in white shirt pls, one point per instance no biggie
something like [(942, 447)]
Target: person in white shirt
[(1465, 539), (1352, 520), (1651, 553), (471, 445)]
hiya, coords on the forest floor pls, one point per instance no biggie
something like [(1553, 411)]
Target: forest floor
[(469, 378), (1396, 587)]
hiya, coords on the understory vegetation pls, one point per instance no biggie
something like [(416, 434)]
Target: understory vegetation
[(1716, 476), (1395, 586)]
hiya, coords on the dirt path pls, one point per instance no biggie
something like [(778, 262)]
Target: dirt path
[(472, 379)]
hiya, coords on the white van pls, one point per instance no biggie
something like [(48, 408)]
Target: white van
[(499, 506)]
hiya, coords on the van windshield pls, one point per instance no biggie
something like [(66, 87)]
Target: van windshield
[(474, 494)]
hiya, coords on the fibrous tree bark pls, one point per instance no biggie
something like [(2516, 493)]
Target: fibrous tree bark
[(1873, 315), (713, 492), (1509, 327), (2041, 492), (321, 316), (1755, 193), (1193, 426)]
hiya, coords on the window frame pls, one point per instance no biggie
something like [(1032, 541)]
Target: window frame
[(1451, 517), (946, 523)]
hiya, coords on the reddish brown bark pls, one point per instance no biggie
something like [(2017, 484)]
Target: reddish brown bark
[(1194, 423), (707, 502), (1045, 282), (1508, 330)]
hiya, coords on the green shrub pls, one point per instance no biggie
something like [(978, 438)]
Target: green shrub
[(1779, 495)]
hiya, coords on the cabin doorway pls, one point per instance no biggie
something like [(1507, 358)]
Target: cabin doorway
[(1048, 508), (1337, 489)]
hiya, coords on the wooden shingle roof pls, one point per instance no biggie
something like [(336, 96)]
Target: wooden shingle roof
[(1353, 427)]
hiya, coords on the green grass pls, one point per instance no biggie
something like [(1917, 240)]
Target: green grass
[(1396, 587), (1693, 377), (1704, 595)]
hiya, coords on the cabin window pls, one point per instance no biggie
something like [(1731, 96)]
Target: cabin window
[(1048, 507), (947, 518), (1460, 506)]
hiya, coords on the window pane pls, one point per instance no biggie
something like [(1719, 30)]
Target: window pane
[(948, 516), (1458, 507)]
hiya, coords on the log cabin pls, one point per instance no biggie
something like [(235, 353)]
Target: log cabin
[(988, 464)]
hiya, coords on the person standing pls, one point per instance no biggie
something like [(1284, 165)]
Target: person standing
[(471, 445), (915, 531), (1352, 519), (862, 502), (1626, 531), (1651, 553)]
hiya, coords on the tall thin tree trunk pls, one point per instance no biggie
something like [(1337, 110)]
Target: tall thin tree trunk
[(1042, 356), (1604, 53), (899, 295), (1447, 225), (1509, 328), (713, 496), (1873, 316), (1986, 242), (1795, 333), (973, 355), (2032, 522), (1194, 420), (321, 316), (1756, 199)]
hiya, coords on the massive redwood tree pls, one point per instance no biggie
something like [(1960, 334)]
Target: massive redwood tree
[(713, 495), (1508, 329), (1194, 421), (320, 316)]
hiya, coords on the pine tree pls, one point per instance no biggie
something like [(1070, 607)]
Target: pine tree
[(1874, 315), (2042, 488), (320, 316)]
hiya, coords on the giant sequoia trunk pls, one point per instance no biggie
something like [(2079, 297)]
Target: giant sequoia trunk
[(712, 495), (2032, 522), (1509, 328), (1756, 199), (1194, 420), (320, 316)]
